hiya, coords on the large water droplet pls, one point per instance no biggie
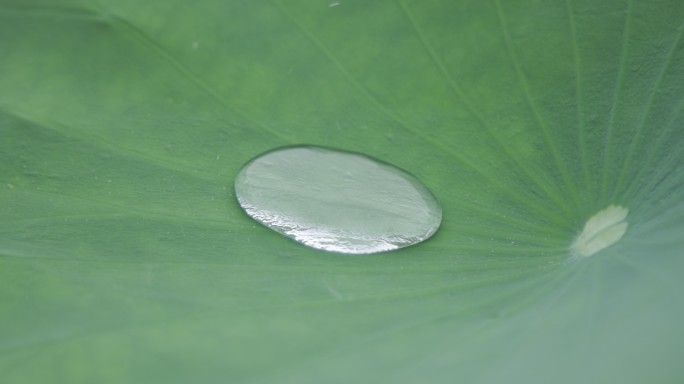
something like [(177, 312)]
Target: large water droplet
[(337, 201)]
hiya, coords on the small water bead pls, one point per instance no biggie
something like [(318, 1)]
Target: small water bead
[(337, 201)]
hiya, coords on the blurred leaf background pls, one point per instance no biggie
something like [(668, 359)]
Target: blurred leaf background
[(124, 257)]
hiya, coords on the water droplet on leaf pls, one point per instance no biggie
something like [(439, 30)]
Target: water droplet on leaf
[(337, 201)]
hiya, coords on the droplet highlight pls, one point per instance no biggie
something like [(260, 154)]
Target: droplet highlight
[(337, 201)]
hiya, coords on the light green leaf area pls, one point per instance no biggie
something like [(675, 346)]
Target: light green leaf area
[(125, 258)]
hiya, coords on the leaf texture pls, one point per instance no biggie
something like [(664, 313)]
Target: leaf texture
[(124, 256)]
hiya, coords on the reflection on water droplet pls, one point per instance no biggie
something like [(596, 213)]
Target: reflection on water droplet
[(337, 201)]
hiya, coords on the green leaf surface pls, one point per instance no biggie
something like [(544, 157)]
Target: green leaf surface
[(124, 257)]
